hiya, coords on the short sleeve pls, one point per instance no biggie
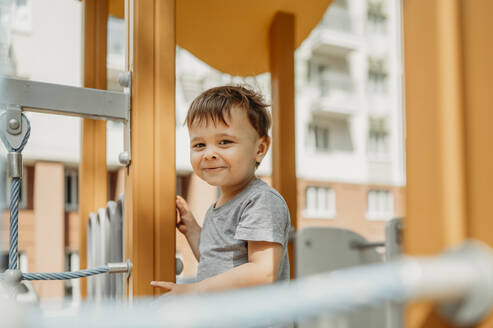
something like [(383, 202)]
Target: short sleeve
[(265, 218)]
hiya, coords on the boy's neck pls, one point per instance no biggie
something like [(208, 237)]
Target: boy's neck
[(228, 193)]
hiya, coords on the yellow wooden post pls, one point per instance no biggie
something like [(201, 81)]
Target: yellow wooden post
[(150, 192), (449, 73), (477, 46), (283, 136), (93, 175)]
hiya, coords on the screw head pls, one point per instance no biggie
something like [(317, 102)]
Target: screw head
[(14, 124), (124, 158), (124, 79)]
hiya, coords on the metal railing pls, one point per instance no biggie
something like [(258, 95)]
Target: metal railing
[(459, 280)]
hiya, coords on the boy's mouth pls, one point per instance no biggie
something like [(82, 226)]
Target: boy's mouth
[(212, 169)]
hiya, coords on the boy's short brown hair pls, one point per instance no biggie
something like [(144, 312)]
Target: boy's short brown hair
[(213, 104)]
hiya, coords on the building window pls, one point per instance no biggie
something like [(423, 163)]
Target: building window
[(323, 79), (320, 203), (319, 137), (378, 143), (333, 77), (337, 17), (376, 12), (378, 138), (71, 190), (377, 74), (380, 205)]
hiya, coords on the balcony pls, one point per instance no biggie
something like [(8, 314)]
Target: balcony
[(336, 96), (336, 33), (337, 19)]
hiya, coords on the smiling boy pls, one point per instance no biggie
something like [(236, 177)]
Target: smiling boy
[(243, 240)]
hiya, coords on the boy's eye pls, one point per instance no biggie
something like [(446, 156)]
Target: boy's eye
[(225, 142), (198, 145)]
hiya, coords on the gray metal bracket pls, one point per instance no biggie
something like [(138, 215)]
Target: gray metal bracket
[(18, 95), (13, 120), (13, 125), (65, 100)]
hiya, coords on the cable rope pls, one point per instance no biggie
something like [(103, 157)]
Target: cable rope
[(15, 191)]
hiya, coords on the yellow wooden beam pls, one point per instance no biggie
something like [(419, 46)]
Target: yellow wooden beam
[(150, 236), (449, 73), (93, 175), (116, 8), (282, 46), (477, 46), (435, 162)]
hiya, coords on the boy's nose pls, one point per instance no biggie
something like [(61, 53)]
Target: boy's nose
[(210, 155)]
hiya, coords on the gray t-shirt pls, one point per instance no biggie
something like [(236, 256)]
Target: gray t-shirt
[(257, 213)]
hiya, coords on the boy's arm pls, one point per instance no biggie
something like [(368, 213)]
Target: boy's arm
[(264, 259), (192, 236)]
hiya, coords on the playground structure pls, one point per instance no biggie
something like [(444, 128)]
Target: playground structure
[(447, 167)]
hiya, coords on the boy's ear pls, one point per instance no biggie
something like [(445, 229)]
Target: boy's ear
[(262, 148)]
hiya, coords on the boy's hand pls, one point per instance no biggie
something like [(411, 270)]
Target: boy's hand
[(185, 221), (175, 289)]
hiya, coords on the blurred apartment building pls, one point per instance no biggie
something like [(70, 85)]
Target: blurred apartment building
[(349, 121), (349, 126)]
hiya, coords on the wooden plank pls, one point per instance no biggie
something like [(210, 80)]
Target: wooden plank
[(151, 230), (435, 149), (478, 103), (164, 145), (93, 186), (283, 126)]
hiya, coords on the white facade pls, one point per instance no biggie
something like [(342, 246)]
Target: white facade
[(349, 124), (361, 121), (47, 45)]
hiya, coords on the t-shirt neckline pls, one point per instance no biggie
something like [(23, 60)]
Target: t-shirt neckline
[(231, 201)]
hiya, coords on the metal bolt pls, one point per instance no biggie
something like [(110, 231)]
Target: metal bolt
[(124, 79), (14, 124), (179, 266), (124, 158)]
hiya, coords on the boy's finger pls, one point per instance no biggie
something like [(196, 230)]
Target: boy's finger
[(179, 200), (162, 284), (179, 204)]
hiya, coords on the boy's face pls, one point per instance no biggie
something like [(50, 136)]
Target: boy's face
[(225, 155)]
